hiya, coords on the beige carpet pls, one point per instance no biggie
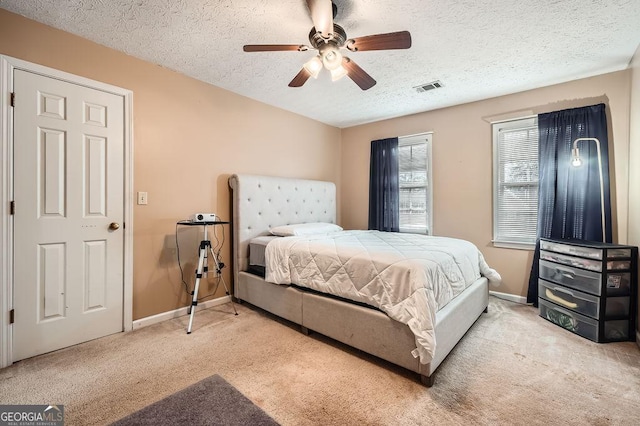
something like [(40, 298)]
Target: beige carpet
[(513, 367)]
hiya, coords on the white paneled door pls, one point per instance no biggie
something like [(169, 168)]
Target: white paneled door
[(69, 210)]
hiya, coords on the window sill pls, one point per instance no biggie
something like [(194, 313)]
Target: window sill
[(516, 246), (414, 231)]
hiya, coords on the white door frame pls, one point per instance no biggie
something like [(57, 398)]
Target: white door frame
[(7, 66)]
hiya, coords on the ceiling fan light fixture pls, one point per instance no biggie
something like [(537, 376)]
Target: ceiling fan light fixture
[(313, 66), (338, 73), (331, 57)]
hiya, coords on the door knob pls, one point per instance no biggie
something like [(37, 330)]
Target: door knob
[(114, 225)]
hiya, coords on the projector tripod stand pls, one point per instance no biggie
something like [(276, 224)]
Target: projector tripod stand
[(203, 268)]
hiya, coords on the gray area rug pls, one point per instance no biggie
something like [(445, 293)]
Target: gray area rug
[(211, 401)]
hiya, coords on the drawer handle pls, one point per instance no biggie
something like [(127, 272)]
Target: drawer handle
[(560, 300), (564, 290), (566, 274)]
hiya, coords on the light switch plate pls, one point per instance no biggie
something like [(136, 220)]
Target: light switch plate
[(142, 198)]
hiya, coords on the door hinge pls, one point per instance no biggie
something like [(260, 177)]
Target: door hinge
[(12, 315), (13, 99), (12, 208)]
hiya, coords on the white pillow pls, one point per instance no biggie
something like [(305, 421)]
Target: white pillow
[(305, 229)]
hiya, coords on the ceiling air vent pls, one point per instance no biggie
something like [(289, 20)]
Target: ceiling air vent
[(428, 86)]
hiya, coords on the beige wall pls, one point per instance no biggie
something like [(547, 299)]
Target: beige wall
[(462, 163), (634, 160), (188, 138)]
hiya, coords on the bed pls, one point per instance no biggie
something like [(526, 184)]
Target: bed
[(261, 203)]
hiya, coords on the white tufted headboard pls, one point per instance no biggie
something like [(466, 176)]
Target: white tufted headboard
[(262, 202)]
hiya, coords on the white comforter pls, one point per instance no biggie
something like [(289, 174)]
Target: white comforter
[(407, 276)]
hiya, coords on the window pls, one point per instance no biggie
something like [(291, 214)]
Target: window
[(414, 154), (515, 180)]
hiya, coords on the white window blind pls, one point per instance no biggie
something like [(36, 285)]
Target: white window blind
[(415, 183), (515, 182)]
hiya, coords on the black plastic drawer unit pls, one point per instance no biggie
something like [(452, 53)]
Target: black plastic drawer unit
[(589, 288)]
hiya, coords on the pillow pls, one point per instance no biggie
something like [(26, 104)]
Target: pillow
[(305, 229)]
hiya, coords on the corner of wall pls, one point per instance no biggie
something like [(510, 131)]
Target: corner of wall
[(634, 164)]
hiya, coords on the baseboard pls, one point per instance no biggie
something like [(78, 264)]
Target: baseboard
[(509, 297), (154, 319)]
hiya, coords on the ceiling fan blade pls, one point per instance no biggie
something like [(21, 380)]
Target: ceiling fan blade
[(274, 47), (322, 16), (300, 78), (397, 40), (358, 75)]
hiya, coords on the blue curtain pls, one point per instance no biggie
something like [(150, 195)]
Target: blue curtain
[(569, 197), (384, 187)]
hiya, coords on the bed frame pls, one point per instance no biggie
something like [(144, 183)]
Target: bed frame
[(261, 202)]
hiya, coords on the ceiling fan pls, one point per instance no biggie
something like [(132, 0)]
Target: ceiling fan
[(328, 38)]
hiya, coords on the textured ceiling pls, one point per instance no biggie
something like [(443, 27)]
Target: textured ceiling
[(477, 48)]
